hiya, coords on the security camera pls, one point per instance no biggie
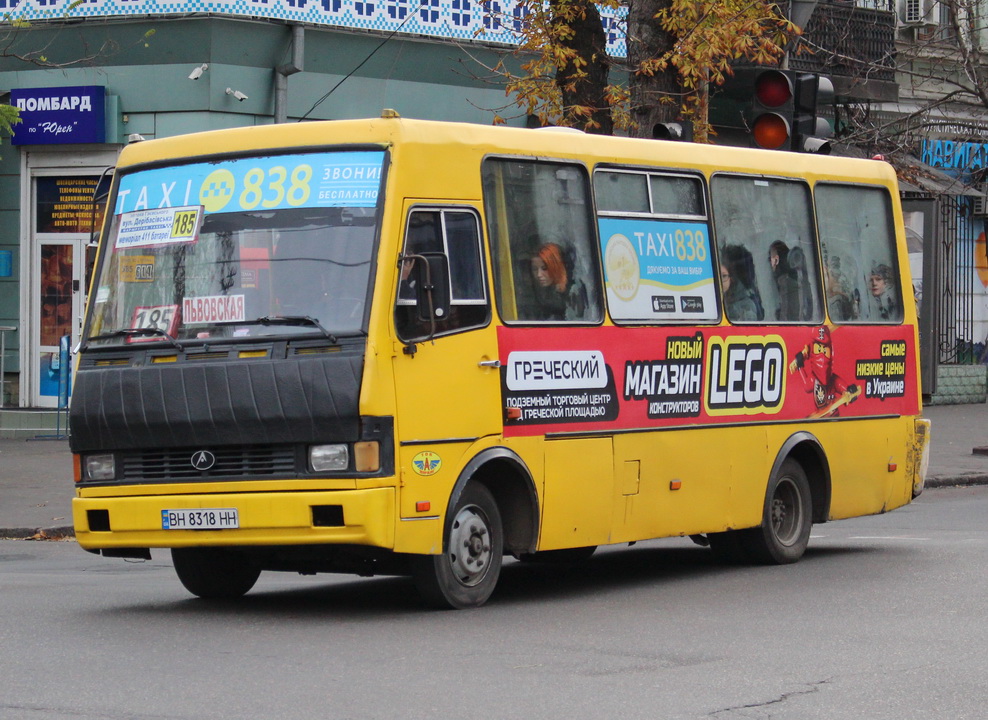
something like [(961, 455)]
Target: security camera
[(197, 72), (236, 93)]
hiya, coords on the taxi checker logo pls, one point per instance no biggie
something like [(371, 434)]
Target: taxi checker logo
[(216, 190), (426, 463), (203, 460)]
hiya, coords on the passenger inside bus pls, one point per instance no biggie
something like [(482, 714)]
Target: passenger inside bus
[(839, 304), (804, 297), (408, 281), (786, 283), (558, 295), (739, 302), (742, 300), (883, 292)]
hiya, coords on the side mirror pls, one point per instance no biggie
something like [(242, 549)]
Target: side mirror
[(432, 287)]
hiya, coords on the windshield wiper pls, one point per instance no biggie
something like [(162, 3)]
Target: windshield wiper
[(297, 320), (138, 332)]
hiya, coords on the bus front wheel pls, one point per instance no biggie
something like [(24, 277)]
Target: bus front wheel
[(213, 573), (465, 574), (786, 521)]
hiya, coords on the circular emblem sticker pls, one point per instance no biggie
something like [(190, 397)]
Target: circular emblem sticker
[(426, 463), (621, 264), (216, 190)]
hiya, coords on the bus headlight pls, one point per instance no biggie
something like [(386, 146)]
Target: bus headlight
[(327, 458), (100, 467)]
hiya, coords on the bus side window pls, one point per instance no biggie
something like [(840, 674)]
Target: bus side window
[(773, 220), (456, 233), (859, 259), (545, 258), (655, 240)]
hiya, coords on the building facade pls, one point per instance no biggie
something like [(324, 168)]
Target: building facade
[(116, 70), (940, 117), (120, 69)]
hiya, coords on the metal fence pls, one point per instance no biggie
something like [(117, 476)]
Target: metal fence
[(847, 40), (956, 247)]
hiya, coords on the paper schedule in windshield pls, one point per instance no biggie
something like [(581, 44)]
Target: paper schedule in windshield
[(159, 226)]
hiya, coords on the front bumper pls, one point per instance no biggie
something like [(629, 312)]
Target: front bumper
[(357, 517)]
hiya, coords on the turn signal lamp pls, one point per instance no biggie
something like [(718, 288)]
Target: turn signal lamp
[(367, 456)]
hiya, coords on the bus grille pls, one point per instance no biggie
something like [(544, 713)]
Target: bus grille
[(255, 461)]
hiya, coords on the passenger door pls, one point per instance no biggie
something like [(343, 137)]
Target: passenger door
[(447, 382)]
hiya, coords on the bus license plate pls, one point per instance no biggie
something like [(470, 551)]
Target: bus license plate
[(200, 519)]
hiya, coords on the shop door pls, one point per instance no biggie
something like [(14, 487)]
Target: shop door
[(59, 305), (63, 222)]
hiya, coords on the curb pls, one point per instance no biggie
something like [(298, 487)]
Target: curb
[(61, 532), (956, 480)]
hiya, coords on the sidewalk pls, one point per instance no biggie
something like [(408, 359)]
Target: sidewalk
[(36, 475)]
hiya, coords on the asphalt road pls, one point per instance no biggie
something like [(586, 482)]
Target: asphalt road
[(883, 618)]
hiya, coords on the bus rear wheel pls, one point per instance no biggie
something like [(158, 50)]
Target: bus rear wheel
[(214, 573), (786, 520), (465, 574)]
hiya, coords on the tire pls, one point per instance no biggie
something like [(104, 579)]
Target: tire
[(786, 519), (567, 555), (465, 574), (213, 573)]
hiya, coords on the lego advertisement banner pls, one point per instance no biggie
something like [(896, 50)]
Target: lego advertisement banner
[(609, 378)]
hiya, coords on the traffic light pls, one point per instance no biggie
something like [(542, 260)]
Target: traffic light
[(810, 131), (681, 130), (771, 109)]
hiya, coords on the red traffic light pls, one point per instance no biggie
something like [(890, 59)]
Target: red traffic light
[(772, 109), (773, 89)]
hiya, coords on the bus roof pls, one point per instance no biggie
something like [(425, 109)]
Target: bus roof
[(503, 140)]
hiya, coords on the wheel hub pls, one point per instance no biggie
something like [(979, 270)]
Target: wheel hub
[(786, 512), (469, 545)]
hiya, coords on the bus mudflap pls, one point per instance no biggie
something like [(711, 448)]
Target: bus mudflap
[(919, 454)]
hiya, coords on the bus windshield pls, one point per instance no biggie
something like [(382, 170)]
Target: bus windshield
[(286, 250)]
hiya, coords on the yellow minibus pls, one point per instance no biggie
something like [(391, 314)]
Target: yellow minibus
[(393, 346)]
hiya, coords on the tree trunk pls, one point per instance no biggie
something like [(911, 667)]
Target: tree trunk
[(647, 40), (589, 43)]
